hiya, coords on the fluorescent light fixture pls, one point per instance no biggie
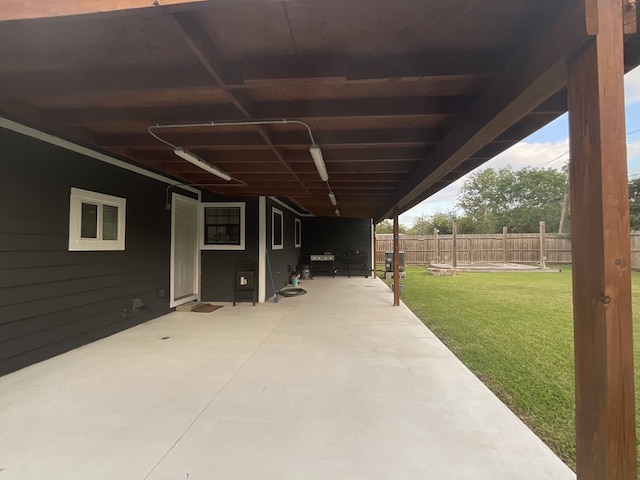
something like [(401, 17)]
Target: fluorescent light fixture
[(316, 154), (337, 212), (332, 197), (198, 162)]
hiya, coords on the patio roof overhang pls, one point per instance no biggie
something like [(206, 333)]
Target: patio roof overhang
[(403, 97)]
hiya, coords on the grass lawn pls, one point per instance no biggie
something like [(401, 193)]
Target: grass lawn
[(515, 332)]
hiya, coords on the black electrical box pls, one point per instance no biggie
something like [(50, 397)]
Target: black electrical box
[(388, 261)]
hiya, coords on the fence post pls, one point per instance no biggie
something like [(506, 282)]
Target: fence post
[(505, 248), (454, 255), (565, 207), (543, 249), (436, 253)]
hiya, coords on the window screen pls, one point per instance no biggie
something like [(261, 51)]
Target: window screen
[(222, 225)]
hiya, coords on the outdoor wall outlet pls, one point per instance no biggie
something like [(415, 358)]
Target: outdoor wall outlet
[(136, 304)]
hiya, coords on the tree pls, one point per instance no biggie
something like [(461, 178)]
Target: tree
[(537, 196), (421, 226), (386, 226), (483, 198), (424, 224), (518, 200), (466, 225), (443, 221), (634, 203)]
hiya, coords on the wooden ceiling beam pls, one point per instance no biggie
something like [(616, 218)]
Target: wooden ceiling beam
[(303, 169), (357, 108), (255, 179), (272, 168), (199, 41), (331, 156), (536, 73), (360, 197), (21, 10), (292, 67), (145, 116), (359, 177), (103, 80), (557, 104), (238, 76), (320, 189), (631, 51), (399, 166), (369, 154), (525, 127), (364, 107), (343, 68), (427, 64), (374, 136), (229, 156), (213, 138), (357, 187), (489, 151), (17, 108)]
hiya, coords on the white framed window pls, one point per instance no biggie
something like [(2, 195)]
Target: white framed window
[(96, 221), (277, 229), (223, 226), (298, 232)]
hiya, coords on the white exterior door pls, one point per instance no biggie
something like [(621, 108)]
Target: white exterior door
[(184, 250)]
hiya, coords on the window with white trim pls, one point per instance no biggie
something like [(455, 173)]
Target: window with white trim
[(298, 233), (223, 226), (277, 229), (96, 221)]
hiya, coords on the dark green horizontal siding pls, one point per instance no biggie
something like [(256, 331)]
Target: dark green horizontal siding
[(280, 260), (218, 266), (53, 300), (337, 235)]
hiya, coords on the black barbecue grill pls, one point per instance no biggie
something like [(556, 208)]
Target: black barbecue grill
[(357, 262)]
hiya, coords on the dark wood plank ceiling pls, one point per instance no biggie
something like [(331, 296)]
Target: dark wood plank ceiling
[(403, 96)]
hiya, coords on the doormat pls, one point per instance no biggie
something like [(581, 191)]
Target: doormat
[(206, 308)]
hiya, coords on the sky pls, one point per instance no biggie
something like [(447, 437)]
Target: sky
[(546, 148)]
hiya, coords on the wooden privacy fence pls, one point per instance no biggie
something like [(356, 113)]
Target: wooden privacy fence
[(514, 247)]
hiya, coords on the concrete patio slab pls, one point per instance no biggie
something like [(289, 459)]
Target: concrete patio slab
[(336, 384)]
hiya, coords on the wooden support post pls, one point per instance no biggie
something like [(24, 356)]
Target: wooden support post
[(396, 259), (374, 267), (543, 246), (436, 246), (605, 411), (505, 247), (454, 241)]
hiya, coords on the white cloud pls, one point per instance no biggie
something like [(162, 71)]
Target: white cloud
[(633, 150), (442, 201), (535, 155), (632, 86), (521, 155), (538, 155)]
